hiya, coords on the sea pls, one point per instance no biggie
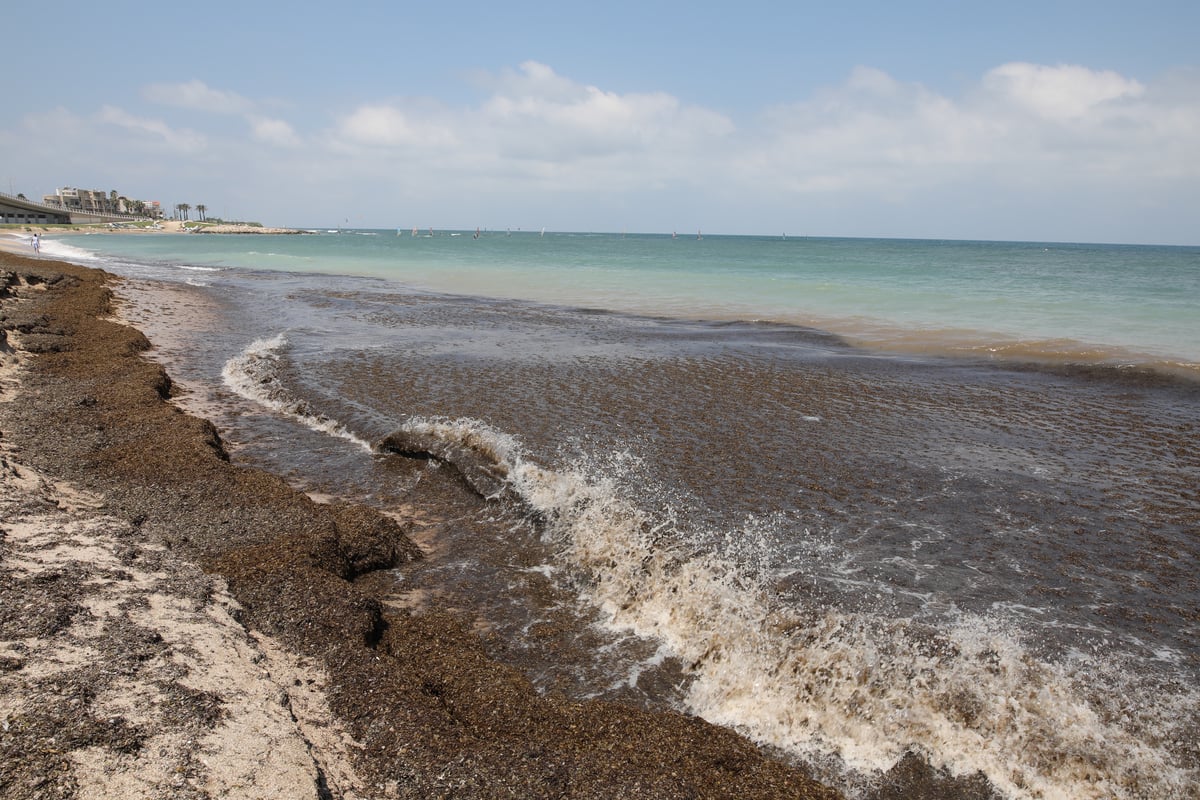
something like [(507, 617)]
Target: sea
[(856, 499)]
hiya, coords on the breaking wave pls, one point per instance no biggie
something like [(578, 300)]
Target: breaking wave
[(255, 375), (67, 252), (851, 693)]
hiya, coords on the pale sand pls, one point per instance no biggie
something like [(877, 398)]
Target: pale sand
[(215, 709), (17, 239)]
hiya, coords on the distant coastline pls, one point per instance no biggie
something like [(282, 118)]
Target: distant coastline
[(177, 226), (159, 227), (17, 238)]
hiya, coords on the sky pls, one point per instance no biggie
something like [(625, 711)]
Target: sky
[(1036, 121)]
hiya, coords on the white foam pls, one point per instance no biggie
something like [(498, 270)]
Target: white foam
[(254, 375), (850, 693), (67, 252), (499, 447), (861, 689)]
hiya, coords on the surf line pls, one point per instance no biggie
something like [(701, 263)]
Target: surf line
[(255, 374)]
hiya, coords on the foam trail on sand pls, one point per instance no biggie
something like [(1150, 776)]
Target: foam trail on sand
[(255, 375)]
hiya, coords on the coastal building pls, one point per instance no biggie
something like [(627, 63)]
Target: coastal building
[(96, 201), (74, 207)]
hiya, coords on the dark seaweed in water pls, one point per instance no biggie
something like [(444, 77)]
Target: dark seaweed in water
[(483, 474), (847, 508)]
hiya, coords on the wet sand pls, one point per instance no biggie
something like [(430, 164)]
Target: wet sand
[(195, 628)]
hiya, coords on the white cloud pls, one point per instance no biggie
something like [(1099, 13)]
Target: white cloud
[(381, 125), (182, 140), (1022, 137), (273, 131), (869, 134), (1063, 92), (197, 96), (587, 119), (530, 79), (591, 122), (537, 128), (1023, 125)]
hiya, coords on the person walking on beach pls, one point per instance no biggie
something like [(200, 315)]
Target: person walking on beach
[(37, 244)]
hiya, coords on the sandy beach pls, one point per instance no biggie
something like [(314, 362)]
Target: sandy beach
[(16, 238), (177, 625)]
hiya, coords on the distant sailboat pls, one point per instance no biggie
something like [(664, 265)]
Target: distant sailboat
[(698, 236), (543, 233), (476, 233), (414, 233)]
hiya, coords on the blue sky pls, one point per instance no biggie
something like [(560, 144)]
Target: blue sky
[(1060, 121)]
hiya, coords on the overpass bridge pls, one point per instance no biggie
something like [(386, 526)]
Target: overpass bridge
[(19, 211)]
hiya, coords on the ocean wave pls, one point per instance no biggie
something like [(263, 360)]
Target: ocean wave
[(255, 374), (67, 252), (853, 691)]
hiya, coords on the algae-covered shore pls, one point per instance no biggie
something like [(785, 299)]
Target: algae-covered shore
[(174, 624)]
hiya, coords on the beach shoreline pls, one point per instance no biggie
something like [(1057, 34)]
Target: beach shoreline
[(20, 234), (413, 707)]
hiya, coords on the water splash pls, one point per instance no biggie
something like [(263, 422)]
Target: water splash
[(855, 689)]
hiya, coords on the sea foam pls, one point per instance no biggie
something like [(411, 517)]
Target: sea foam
[(255, 375), (852, 691)]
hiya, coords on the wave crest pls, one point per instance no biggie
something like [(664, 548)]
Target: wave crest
[(255, 374), (856, 690)]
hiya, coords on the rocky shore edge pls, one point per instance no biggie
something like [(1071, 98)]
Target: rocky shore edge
[(173, 624)]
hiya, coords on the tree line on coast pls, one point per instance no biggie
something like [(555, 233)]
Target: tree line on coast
[(182, 209)]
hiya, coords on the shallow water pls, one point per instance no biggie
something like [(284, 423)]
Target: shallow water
[(838, 551), (1062, 302)]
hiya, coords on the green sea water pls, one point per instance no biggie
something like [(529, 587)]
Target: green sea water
[(1090, 303)]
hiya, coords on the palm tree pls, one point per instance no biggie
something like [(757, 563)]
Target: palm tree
[(184, 208), (200, 209)]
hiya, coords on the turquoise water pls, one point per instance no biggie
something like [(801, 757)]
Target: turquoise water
[(1062, 302)]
